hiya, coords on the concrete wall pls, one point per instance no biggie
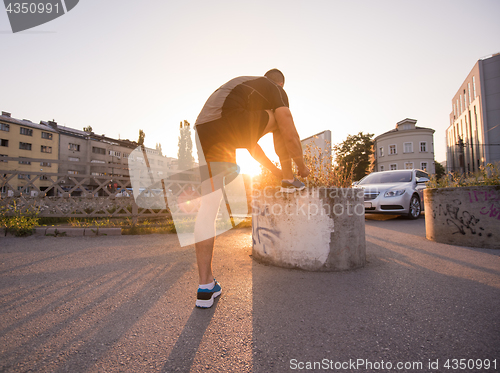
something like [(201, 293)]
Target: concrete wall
[(468, 216), (318, 229)]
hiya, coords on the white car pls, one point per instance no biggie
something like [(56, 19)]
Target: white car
[(398, 192)]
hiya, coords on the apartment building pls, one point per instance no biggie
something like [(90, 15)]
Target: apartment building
[(58, 150), (37, 147), (405, 147), (473, 136)]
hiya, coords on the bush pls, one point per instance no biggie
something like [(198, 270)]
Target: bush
[(489, 175), (324, 173), (20, 221)]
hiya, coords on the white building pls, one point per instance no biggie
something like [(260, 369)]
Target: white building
[(405, 147)]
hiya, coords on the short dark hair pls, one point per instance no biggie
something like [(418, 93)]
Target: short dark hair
[(275, 75)]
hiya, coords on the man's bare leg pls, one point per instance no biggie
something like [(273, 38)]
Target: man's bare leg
[(204, 254), (204, 231), (279, 146)]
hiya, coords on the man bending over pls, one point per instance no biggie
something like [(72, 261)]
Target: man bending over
[(236, 116)]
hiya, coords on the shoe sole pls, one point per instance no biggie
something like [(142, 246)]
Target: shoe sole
[(291, 190), (209, 302)]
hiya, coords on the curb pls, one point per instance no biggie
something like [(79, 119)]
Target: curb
[(70, 232)]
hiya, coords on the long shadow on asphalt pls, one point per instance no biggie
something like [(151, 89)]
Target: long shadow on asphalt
[(182, 355), (404, 306), (92, 306)]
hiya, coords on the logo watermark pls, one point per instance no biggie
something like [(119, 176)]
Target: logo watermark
[(24, 15)]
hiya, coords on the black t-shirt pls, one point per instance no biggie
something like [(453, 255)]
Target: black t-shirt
[(234, 113), (244, 92)]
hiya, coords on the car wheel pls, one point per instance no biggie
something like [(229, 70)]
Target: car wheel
[(415, 207)]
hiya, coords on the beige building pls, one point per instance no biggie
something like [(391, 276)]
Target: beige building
[(49, 148), (405, 147), (473, 136), (35, 146)]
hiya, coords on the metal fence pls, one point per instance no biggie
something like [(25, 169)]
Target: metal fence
[(93, 196)]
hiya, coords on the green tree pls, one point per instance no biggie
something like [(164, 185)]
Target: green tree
[(158, 147), (87, 129), (142, 135), (353, 155), (440, 171), (185, 152)]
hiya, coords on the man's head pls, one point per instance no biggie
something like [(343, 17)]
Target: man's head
[(276, 76)]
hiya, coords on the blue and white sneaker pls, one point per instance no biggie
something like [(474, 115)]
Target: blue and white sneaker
[(290, 187), (205, 297)]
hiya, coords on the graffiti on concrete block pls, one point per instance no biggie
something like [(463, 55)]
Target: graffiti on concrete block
[(463, 221), (260, 233), (483, 196), (491, 211)]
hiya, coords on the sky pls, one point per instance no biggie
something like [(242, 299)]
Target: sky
[(350, 66)]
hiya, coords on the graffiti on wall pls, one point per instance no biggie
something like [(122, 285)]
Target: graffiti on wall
[(261, 234), (461, 219), (491, 197)]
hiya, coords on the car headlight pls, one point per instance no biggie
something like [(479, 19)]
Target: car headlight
[(394, 193)]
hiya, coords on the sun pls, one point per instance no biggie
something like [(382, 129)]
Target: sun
[(247, 164)]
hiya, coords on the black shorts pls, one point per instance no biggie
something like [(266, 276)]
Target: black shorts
[(238, 128)]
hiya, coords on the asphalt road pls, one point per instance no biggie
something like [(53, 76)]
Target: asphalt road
[(126, 304)]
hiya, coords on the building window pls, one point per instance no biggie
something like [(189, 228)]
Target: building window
[(4, 127), (4, 142), (392, 149), (43, 177), (74, 147), (24, 146), (1, 156), (46, 135), (423, 146), (394, 166), (468, 91), (21, 188), (408, 147), (45, 164), (97, 161), (24, 176), (74, 159), (381, 168), (26, 131), (24, 161), (409, 165), (71, 172), (381, 151), (423, 166), (97, 150), (474, 86), (46, 149), (114, 153), (97, 173)]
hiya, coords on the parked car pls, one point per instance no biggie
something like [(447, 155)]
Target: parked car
[(398, 192)]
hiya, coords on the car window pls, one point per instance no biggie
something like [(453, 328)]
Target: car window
[(422, 174), (387, 177)]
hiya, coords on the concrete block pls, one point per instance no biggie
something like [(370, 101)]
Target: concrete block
[(318, 229), (110, 231), (463, 216), (64, 231), (93, 231), (40, 231)]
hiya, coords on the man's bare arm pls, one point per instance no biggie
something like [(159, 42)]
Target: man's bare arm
[(290, 138), (258, 154)]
